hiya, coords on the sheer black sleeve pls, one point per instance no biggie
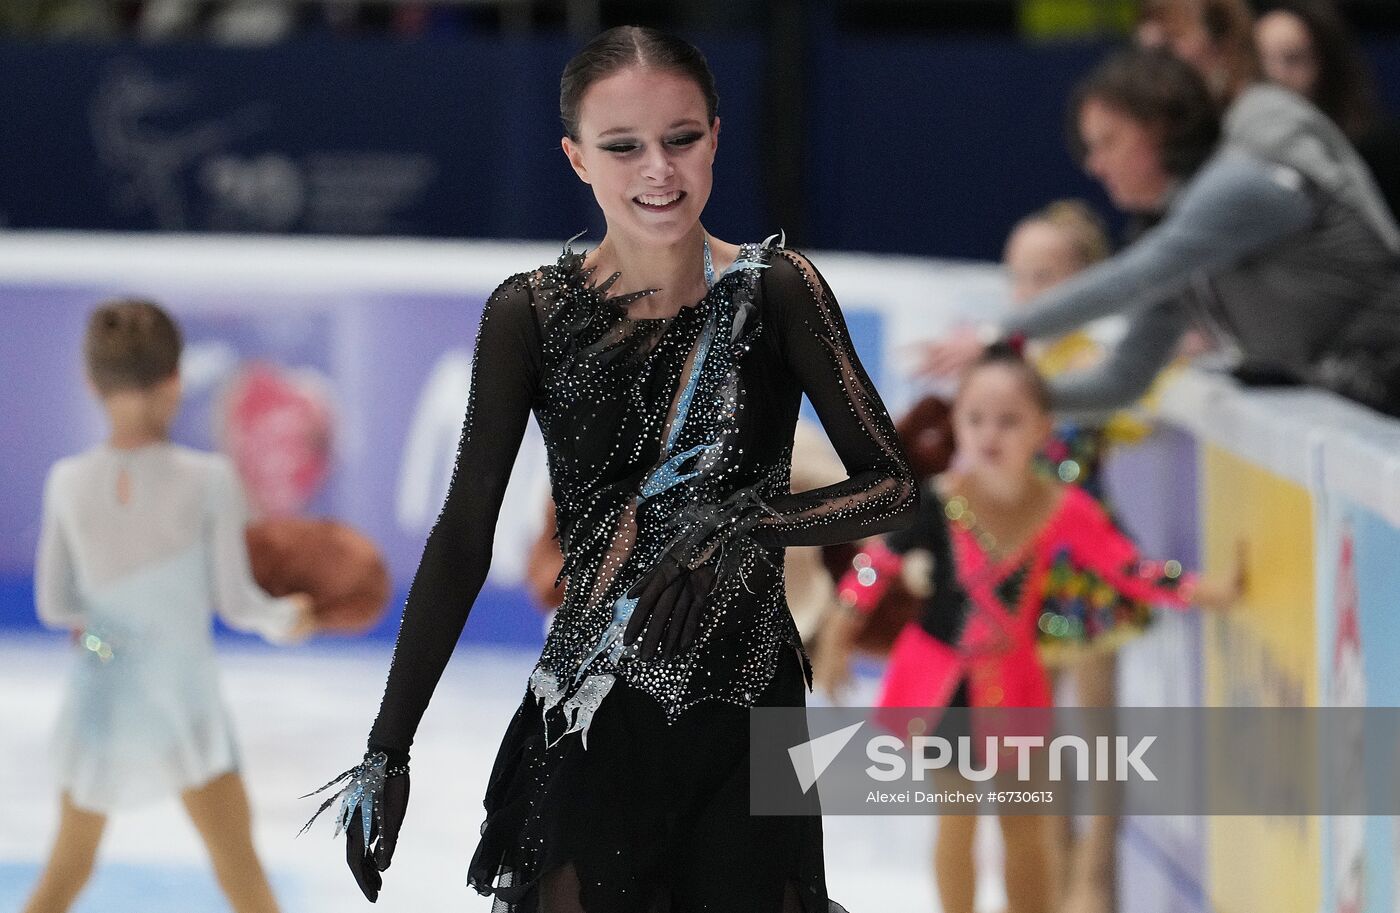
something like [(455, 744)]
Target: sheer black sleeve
[(880, 493), (944, 610), (505, 373)]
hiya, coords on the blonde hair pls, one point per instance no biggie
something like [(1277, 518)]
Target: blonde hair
[(130, 344), (1083, 227)]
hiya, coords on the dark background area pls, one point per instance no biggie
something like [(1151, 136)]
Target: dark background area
[(910, 127)]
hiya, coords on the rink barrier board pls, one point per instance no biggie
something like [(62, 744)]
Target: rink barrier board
[(1319, 476)]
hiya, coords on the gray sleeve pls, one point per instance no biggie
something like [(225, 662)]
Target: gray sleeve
[(1235, 206), (1130, 367)]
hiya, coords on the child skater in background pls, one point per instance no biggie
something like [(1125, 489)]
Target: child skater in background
[(141, 540), (1044, 249), (1040, 564)]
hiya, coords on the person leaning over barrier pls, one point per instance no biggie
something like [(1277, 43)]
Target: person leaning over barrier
[(1272, 236)]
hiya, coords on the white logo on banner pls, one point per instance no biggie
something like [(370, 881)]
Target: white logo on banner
[(150, 131)]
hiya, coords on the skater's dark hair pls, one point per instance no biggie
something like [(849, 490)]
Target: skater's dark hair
[(627, 46), (130, 344)]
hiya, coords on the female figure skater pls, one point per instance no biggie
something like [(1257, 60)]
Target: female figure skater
[(665, 368), (1039, 562), (141, 540)]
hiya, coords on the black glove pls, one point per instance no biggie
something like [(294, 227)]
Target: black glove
[(671, 595), (375, 791), (367, 858), (670, 604), (701, 530)]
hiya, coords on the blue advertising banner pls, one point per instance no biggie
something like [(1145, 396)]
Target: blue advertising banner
[(1359, 647), (432, 138)]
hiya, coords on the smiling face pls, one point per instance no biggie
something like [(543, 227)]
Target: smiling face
[(646, 147), (1125, 155), (999, 426), (1286, 52)]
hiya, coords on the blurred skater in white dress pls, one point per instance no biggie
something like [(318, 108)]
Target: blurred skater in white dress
[(141, 542)]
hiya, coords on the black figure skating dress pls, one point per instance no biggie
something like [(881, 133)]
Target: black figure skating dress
[(621, 784)]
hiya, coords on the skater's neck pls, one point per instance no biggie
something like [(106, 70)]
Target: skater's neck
[(676, 270)]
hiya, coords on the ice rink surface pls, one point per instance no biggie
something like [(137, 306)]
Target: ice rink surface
[(301, 718)]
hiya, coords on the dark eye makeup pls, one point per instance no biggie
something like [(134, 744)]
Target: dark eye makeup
[(623, 148)]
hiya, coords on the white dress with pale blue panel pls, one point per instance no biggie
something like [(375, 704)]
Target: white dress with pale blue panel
[(143, 717)]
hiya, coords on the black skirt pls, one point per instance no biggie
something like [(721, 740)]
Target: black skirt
[(650, 818)]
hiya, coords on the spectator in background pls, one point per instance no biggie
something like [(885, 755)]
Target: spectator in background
[(1308, 50), (235, 22), (1273, 236), (1305, 45), (1216, 37)]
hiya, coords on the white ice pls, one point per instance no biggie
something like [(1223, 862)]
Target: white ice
[(301, 716)]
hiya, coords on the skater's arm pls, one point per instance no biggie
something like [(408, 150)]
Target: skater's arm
[(1098, 545), (944, 609), (55, 576), (505, 370), (880, 493), (240, 602)]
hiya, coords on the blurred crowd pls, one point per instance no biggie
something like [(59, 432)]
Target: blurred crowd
[(236, 22), (260, 22), (265, 21), (1261, 220)]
